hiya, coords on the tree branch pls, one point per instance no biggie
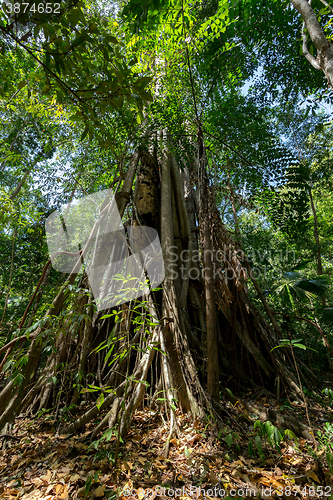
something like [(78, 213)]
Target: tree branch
[(46, 68), (312, 60), (312, 24), (324, 47)]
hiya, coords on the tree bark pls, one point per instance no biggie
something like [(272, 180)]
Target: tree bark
[(316, 237), (316, 234), (205, 220), (170, 293), (324, 59)]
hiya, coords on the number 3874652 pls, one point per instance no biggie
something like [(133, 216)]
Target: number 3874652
[(24, 7)]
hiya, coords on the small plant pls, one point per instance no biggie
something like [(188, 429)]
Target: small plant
[(102, 454), (67, 411), (43, 412), (329, 393), (292, 343), (325, 439), (267, 434), (230, 437), (93, 478), (286, 405), (106, 436)]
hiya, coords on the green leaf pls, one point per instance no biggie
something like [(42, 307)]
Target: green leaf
[(84, 133), (301, 346), (146, 96), (290, 434), (111, 39), (229, 392), (140, 84), (74, 17), (21, 84), (74, 118), (229, 440), (108, 315), (100, 401)]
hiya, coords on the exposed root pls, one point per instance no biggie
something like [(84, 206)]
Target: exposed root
[(283, 421)]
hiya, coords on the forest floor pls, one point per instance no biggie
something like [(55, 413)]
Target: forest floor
[(37, 463)]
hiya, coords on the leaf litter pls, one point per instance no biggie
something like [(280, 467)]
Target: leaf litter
[(37, 463)]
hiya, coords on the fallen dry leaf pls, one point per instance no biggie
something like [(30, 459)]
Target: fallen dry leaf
[(99, 491), (314, 476), (213, 478), (64, 494), (74, 478)]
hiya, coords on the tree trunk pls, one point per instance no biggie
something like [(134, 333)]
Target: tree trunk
[(316, 237), (316, 234)]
